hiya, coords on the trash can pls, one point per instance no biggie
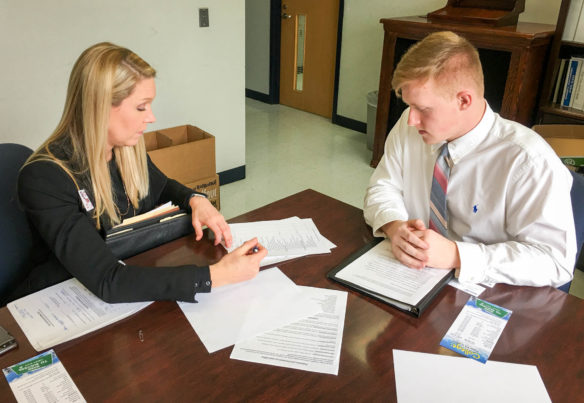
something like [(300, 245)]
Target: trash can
[(371, 116)]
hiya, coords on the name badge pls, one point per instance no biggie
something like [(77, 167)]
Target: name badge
[(85, 200)]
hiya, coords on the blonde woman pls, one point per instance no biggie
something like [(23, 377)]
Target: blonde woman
[(93, 172)]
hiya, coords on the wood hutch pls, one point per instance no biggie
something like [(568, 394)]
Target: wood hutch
[(513, 58)]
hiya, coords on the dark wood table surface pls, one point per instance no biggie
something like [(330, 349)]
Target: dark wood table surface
[(546, 329)]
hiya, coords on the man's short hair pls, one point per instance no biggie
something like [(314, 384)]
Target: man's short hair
[(448, 59)]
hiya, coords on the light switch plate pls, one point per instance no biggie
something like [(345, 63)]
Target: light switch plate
[(203, 17)]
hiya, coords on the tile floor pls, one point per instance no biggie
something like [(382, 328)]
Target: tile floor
[(288, 150)]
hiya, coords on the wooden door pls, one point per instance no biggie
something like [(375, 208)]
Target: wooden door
[(308, 54)]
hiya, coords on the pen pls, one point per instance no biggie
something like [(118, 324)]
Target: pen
[(255, 249)]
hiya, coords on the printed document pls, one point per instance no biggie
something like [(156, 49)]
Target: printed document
[(64, 312), (284, 239), (240, 311), (476, 329), (421, 377), (310, 344), (378, 271), (42, 379)]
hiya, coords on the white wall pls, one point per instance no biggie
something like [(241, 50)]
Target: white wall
[(201, 77), (361, 48), (257, 45), (362, 43)]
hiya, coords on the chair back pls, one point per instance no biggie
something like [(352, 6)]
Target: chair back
[(577, 195), (15, 233)]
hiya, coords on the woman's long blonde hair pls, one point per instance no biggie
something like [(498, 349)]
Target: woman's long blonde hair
[(103, 76)]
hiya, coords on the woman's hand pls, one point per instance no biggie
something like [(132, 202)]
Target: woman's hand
[(240, 265), (203, 213)]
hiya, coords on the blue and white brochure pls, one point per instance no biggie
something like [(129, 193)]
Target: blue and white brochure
[(476, 330), (42, 378)]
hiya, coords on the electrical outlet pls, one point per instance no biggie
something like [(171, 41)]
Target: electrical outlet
[(203, 17)]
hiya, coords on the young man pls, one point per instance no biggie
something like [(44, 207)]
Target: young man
[(497, 206)]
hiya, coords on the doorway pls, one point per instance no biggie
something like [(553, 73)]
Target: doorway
[(308, 54)]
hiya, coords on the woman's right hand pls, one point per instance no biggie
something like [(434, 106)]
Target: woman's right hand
[(240, 265)]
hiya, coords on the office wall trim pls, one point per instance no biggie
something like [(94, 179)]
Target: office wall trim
[(338, 60), (258, 96), (231, 175), (349, 123), (275, 34)]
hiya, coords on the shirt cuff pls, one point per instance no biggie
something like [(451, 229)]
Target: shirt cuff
[(383, 219), (203, 282), (473, 265)]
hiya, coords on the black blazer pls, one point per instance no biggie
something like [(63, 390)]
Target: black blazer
[(67, 242)]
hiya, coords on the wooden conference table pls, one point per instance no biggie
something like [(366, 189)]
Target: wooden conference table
[(171, 364)]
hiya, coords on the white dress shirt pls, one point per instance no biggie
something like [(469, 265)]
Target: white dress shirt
[(508, 200)]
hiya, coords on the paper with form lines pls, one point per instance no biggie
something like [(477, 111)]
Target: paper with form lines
[(310, 344), (284, 239), (64, 312), (237, 312)]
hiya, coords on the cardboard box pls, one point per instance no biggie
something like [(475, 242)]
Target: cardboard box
[(184, 153), (567, 141), (209, 186)]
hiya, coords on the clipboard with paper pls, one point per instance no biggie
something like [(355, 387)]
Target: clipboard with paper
[(375, 272)]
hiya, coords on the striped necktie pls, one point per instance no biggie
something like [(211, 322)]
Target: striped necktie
[(438, 212)]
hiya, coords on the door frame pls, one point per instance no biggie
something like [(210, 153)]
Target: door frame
[(274, 80)]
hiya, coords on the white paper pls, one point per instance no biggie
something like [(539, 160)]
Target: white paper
[(377, 270), (42, 378), (292, 237), (310, 344), (64, 312), (240, 311), (421, 377), (469, 288)]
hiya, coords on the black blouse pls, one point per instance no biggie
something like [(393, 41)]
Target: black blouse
[(67, 242)]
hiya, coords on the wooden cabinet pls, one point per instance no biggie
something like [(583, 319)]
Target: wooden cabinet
[(513, 57)]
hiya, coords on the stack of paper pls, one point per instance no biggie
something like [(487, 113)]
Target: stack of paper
[(273, 321), (284, 239), (64, 312), (310, 344)]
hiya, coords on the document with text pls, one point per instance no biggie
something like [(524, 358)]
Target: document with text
[(42, 378), (378, 274), (64, 312), (284, 239), (240, 311), (476, 329), (311, 344)]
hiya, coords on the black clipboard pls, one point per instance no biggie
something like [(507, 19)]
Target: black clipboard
[(415, 310)]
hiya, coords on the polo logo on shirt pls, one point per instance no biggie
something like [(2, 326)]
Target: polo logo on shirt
[(85, 200), (475, 208)]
